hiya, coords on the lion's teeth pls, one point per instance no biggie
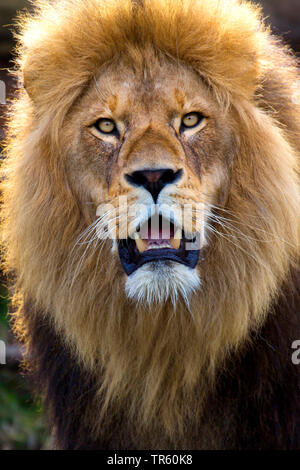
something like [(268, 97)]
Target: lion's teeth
[(175, 243), (141, 245)]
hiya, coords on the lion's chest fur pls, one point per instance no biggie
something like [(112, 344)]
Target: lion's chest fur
[(254, 402)]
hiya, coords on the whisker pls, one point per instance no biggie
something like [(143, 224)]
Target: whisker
[(209, 227)]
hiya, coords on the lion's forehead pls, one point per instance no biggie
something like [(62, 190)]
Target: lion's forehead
[(159, 89)]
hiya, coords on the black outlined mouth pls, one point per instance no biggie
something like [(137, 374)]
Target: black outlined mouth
[(150, 244)]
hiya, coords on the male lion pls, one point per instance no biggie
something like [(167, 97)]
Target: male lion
[(137, 117)]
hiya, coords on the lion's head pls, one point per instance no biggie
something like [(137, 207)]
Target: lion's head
[(151, 202)]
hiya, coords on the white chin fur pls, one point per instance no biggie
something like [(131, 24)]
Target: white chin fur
[(158, 281)]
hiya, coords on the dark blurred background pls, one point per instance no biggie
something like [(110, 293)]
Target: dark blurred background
[(21, 416)]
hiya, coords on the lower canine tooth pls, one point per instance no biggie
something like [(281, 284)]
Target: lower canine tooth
[(141, 245), (175, 242)]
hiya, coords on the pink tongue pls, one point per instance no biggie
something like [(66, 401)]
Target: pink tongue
[(155, 237), (156, 233)]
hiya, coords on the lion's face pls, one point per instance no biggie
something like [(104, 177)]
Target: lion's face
[(150, 155)]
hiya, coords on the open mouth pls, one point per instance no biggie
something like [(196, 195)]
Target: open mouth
[(158, 239)]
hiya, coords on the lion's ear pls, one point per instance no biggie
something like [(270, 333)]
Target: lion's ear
[(38, 76), (30, 79), (27, 84)]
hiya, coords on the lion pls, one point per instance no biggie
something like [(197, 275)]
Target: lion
[(150, 223)]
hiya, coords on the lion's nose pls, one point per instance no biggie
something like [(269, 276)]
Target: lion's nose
[(154, 180)]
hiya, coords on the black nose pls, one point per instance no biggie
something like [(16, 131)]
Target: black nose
[(154, 180)]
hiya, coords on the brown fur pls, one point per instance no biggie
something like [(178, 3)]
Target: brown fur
[(158, 365)]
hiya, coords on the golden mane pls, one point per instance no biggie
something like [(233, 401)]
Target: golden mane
[(152, 362)]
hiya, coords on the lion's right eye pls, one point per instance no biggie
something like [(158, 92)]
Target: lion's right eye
[(106, 126), (191, 120)]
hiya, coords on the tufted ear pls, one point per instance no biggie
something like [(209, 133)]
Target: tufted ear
[(40, 78), (48, 81), (28, 81), (36, 79)]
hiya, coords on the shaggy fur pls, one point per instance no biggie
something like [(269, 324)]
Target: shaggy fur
[(151, 285), (119, 374)]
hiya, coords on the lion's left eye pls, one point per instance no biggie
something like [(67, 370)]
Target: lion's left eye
[(191, 120), (106, 126)]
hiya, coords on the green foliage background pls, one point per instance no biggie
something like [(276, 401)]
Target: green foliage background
[(21, 418)]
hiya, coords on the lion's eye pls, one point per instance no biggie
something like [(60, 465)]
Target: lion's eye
[(191, 120), (106, 126)]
